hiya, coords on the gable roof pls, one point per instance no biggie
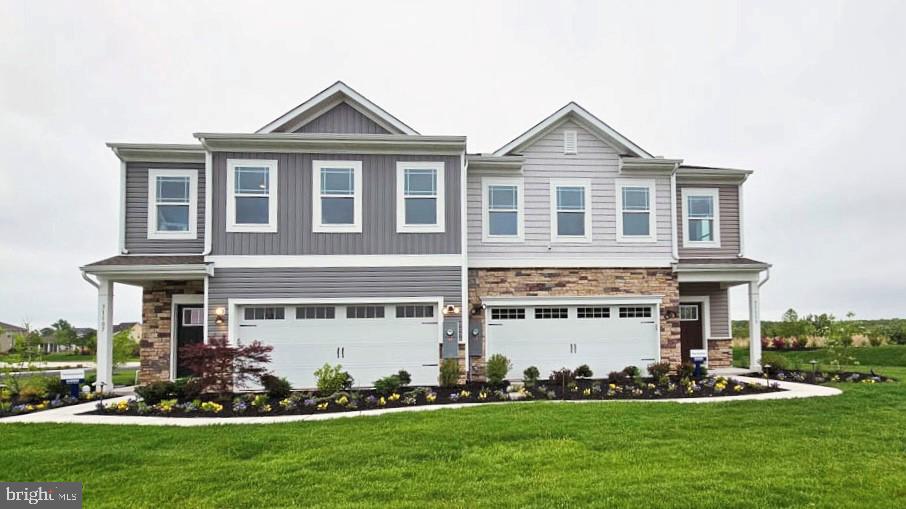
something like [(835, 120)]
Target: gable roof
[(8, 327), (583, 117), (331, 96)]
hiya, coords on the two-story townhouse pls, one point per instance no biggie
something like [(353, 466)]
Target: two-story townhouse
[(583, 248), (338, 234)]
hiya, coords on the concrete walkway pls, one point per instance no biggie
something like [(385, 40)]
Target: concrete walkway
[(70, 414)]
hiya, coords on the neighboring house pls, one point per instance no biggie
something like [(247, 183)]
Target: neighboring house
[(338, 234), (135, 329), (8, 333)]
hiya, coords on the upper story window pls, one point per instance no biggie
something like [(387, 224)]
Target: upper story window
[(502, 206), (172, 204), (571, 210), (251, 195), (337, 196), (701, 227), (419, 197), (635, 211)]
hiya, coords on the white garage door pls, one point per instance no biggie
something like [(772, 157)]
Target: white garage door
[(370, 341), (606, 337)]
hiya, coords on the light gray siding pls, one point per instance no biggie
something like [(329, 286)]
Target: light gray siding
[(371, 282), (294, 216), (544, 160), (342, 118), (728, 196), (137, 241), (719, 300)]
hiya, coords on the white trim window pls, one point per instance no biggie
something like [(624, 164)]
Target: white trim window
[(571, 210), (636, 211), (419, 197), (172, 204), (337, 196), (503, 206), (701, 217), (251, 196)]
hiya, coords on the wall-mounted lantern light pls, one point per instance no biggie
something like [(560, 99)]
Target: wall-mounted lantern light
[(218, 316), (450, 309)]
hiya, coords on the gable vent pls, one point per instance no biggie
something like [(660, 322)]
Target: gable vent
[(570, 143)]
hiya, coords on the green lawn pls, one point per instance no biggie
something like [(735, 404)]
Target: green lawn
[(844, 451), (888, 355), (68, 357)]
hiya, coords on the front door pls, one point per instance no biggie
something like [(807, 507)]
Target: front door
[(691, 330), (189, 330)]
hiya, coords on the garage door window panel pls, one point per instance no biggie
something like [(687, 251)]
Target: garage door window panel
[(315, 313), (635, 312), (593, 312), (265, 313), (415, 311), (507, 313), (551, 313), (360, 312)]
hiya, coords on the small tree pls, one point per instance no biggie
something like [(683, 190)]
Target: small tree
[(497, 367), (839, 340), (220, 366), (63, 333), (124, 347)]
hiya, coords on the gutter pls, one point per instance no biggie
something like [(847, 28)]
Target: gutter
[(90, 281), (674, 235)]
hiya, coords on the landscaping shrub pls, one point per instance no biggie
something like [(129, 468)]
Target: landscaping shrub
[(405, 377), (562, 377), (497, 368), (332, 379), (156, 392), (616, 377), (276, 387), (388, 385), (530, 376), (686, 370), (218, 365), (583, 371), (632, 371), (449, 373), (659, 370), (55, 387), (776, 362)]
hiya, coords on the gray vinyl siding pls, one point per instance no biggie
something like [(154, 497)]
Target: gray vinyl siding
[(719, 300), (728, 196), (346, 282), (544, 160), (342, 118), (294, 215), (137, 241)]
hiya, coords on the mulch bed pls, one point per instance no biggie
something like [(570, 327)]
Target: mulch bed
[(15, 406), (819, 377), (304, 403)]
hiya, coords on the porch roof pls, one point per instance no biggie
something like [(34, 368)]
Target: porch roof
[(145, 267), (725, 270)]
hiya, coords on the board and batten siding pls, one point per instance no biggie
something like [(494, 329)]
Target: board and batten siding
[(326, 283), (137, 192), (544, 160), (344, 119), (719, 300), (294, 234), (728, 196)]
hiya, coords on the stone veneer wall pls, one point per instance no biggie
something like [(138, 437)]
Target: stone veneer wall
[(536, 282), (720, 353), (157, 308)]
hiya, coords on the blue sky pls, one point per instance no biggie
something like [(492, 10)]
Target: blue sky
[(807, 94)]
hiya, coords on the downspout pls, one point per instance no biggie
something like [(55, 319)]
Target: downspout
[(121, 240), (464, 244), (767, 276), (90, 281)]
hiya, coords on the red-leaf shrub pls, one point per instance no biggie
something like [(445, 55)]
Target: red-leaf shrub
[(219, 366)]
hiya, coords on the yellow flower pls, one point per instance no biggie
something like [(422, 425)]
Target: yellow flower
[(612, 386), (322, 406), (464, 394), (737, 388), (586, 392), (285, 403), (394, 397), (211, 406), (431, 397), (382, 401), (482, 395), (342, 400)]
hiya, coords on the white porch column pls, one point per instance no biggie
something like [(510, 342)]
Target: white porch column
[(105, 335), (754, 327)]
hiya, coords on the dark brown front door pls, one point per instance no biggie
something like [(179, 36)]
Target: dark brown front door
[(189, 330), (690, 328)]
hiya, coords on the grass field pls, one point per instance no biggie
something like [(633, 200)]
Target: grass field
[(843, 451), (879, 356)]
